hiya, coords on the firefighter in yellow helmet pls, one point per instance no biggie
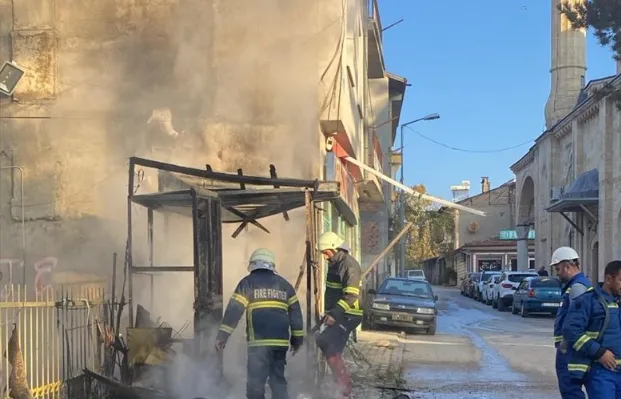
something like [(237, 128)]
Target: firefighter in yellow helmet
[(342, 304), (273, 323)]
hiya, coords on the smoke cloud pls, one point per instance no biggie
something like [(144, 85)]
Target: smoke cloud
[(229, 83)]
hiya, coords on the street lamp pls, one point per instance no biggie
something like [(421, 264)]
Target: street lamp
[(429, 117)]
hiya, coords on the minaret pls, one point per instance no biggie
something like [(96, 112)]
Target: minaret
[(568, 65)]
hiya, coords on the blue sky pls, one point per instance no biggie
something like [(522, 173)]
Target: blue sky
[(484, 67)]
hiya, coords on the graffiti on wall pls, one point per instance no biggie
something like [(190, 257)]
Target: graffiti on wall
[(11, 270)]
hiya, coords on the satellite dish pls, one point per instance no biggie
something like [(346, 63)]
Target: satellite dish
[(473, 227)]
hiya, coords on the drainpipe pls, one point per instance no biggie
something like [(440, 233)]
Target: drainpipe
[(21, 182)]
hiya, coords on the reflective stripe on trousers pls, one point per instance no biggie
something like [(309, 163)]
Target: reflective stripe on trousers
[(568, 387)]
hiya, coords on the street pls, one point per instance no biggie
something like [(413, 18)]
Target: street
[(477, 353)]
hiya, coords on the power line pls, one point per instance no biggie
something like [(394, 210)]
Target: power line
[(450, 147)]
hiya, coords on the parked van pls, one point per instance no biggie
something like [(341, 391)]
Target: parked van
[(416, 275)]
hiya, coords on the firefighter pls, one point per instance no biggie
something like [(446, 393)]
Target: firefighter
[(566, 262), (343, 312), (272, 309), (593, 329)]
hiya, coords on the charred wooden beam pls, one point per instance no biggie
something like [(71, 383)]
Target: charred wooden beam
[(274, 175), (246, 219), (223, 177), (239, 229), (242, 185)]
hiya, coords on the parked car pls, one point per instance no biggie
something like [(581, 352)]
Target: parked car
[(465, 282), (472, 285), (402, 302), (485, 277), (416, 275), (537, 295), (488, 288), (507, 284)]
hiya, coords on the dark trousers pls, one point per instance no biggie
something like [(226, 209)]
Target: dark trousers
[(570, 388), (334, 338), (266, 364)]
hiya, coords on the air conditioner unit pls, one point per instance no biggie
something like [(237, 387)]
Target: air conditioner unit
[(555, 194)]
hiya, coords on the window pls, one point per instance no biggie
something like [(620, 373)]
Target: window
[(545, 283), (415, 288), (517, 278), (487, 276)]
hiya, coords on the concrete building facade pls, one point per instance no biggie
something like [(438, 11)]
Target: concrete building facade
[(569, 182), (386, 94), (296, 84)]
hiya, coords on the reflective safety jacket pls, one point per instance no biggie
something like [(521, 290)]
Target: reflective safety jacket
[(273, 313), (561, 313), (343, 285), (592, 326)]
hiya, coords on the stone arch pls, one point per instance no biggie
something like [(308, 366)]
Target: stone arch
[(525, 219), (526, 206)]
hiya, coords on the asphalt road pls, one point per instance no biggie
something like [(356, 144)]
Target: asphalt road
[(481, 353)]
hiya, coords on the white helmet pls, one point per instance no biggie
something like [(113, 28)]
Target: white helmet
[(563, 254), (262, 258), (329, 240)]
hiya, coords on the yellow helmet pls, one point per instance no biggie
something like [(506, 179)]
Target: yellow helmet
[(329, 240)]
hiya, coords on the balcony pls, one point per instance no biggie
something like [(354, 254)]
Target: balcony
[(376, 55), (370, 188)]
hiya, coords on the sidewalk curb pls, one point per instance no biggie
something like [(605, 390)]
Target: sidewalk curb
[(397, 362)]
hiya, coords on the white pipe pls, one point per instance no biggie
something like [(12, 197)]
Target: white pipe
[(21, 178), (410, 191)]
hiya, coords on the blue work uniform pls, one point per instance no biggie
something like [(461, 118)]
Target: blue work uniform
[(592, 326), (273, 322), (568, 387)]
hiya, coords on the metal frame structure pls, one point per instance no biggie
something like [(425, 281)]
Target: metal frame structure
[(210, 199)]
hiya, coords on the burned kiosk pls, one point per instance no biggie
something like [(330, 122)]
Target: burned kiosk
[(211, 198)]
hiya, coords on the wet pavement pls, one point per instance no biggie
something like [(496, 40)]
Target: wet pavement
[(480, 353)]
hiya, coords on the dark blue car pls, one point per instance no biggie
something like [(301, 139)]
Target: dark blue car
[(537, 295)]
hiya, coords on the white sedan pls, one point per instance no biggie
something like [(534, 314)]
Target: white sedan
[(488, 289)]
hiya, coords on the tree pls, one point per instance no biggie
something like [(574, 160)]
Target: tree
[(604, 17), (431, 228)]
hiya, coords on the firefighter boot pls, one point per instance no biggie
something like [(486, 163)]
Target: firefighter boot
[(339, 369)]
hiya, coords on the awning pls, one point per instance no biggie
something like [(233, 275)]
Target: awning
[(577, 197), (239, 205), (244, 199), (582, 192)]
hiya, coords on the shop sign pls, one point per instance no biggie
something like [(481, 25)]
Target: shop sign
[(512, 235)]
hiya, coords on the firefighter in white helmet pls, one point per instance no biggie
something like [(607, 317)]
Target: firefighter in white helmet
[(566, 262), (342, 304), (272, 309)]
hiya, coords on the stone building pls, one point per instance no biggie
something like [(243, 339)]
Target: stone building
[(481, 242), (569, 182)]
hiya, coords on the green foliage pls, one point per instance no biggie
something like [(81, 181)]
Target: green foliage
[(604, 18), (432, 230)]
